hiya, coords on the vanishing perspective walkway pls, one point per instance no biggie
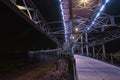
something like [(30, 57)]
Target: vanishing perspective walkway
[(91, 69)]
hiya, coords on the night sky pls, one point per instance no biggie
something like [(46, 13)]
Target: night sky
[(113, 7), (50, 9)]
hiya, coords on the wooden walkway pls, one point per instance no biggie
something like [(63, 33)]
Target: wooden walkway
[(91, 69)]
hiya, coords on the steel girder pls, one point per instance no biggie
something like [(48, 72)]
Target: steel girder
[(27, 10), (107, 37), (104, 21)]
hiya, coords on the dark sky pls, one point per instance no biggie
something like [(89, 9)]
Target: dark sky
[(50, 9), (113, 7)]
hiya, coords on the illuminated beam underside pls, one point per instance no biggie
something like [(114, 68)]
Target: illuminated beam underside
[(64, 5), (23, 8), (80, 9), (98, 14)]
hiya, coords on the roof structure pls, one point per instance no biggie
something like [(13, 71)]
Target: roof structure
[(78, 13)]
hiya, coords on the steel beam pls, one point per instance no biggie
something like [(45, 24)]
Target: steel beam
[(87, 48)]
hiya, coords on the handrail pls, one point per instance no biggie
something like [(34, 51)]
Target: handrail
[(74, 69)]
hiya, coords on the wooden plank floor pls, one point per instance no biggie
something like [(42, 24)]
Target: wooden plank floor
[(91, 69)]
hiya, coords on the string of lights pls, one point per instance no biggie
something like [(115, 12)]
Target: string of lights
[(63, 18), (98, 14)]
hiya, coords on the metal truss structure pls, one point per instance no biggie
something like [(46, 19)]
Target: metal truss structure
[(103, 26), (105, 21), (82, 29), (27, 10), (92, 32)]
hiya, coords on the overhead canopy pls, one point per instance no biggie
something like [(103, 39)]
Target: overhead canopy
[(76, 11)]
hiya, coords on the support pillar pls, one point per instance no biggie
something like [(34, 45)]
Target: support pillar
[(79, 50), (93, 48), (104, 53), (82, 45), (72, 50), (87, 48), (111, 56)]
